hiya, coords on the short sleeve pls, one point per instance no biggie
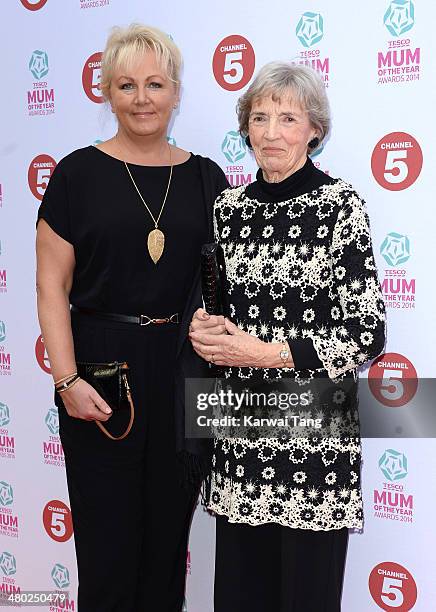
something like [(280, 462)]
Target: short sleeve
[(54, 208)]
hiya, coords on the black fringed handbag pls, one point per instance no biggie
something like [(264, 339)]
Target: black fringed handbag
[(213, 279)]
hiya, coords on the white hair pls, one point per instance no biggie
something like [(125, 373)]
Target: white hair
[(286, 80)]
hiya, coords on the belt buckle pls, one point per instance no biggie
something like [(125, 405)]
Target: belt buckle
[(146, 320)]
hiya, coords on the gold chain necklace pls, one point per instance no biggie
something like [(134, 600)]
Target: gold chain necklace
[(156, 238)]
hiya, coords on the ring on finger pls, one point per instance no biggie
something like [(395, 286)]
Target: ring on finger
[(212, 359)]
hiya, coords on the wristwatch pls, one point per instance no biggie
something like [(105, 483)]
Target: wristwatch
[(284, 353)]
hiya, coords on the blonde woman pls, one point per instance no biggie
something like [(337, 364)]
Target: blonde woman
[(118, 241)]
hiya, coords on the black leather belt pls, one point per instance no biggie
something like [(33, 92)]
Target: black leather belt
[(141, 320)]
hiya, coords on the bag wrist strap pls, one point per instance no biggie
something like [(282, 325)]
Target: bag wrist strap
[(132, 415)]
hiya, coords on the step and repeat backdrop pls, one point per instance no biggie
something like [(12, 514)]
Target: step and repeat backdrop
[(377, 59)]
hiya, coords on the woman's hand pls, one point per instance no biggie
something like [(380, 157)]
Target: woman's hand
[(83, 402), (204, 322), (234, 348)]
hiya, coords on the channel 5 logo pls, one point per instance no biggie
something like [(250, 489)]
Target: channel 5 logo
[(57, 520), (41, 355), (393, 380), (91, 77), (392, 587), (38, 175), (396, 161), (33, 5)]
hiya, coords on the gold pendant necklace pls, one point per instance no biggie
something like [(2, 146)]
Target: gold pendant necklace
[(156, 238)]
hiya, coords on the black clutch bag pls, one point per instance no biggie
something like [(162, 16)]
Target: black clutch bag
[(110, 380), (213, 279)]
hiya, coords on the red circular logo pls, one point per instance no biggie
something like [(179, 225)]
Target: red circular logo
[(33, 5), (41, 355), (39, 173), (57, 520), (91, 77), (392, 379), (392, 587), (233, 62), (396, 161)]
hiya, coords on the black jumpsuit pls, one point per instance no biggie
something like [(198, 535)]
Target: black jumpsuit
[(131, 516)]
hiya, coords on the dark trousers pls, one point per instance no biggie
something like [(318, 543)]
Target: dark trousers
[(131, 515), (270, 568)]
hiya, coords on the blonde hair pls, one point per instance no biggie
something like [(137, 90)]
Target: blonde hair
[(124, 45), (300, 82)]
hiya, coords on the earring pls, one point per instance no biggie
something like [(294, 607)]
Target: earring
[(313, 143), (248, 142)]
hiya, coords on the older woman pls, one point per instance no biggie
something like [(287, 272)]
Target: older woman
[(306, 304), (119, 236)]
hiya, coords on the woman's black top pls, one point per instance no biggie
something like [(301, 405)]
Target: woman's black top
[(91, 203), (304, 180)]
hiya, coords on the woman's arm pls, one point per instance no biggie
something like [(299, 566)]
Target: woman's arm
[(54, 277), (359, 334)]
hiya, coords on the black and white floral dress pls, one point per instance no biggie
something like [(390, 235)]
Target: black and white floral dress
[(300, 268)]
